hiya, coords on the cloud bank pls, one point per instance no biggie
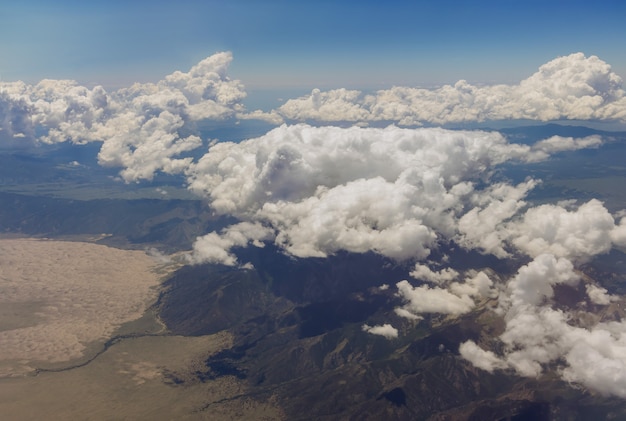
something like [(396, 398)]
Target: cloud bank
[(320, 188), (317, 190), (142, 128), (569, 87), (148, 127)]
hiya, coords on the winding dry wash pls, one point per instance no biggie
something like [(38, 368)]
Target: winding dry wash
[(58, 297)]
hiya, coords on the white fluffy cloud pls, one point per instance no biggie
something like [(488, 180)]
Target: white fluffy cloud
[(496, 225), (570, 87), (477, 284), (144, 128), (425, 273), (538, 335), (597, 357), (559, 144), (447, 298), (599, 295), (575, 234), (215, 248), (385, 330), (533, 282), (320, 188), (140, 127), (618, 235), (485, 360), (484, 225), (424, 299)]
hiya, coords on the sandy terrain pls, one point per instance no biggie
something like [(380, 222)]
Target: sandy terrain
[(57, 298), (61, 301), (149, 378)]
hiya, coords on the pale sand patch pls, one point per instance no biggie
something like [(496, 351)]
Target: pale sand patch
[(136, 379), (57, 298)]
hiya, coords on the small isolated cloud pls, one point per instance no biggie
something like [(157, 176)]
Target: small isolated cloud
[(546, 147), (402, 312), (423, 272), (158, 256), (424, 299), (569, 87), (271, 117), (448, 297), (480, 358), (215, 248), (599, 295), (385, 330)]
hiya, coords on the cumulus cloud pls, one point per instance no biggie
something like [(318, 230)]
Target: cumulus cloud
[(546, 147), (480, 358), (215, 248), (597, 358), (15, 122), (320, 188), (594, 357), (425, 273), (576, 234), (424, 299), (570, 87), (538, 334), (477, 285), (141, 127), (402, 312), (618, 234), (145, 128), (534, 281), (385, 330), (448, 297), (335, 105), (599, 295), (483, 226)]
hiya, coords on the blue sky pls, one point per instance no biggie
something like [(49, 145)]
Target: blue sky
[(305, 44)]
